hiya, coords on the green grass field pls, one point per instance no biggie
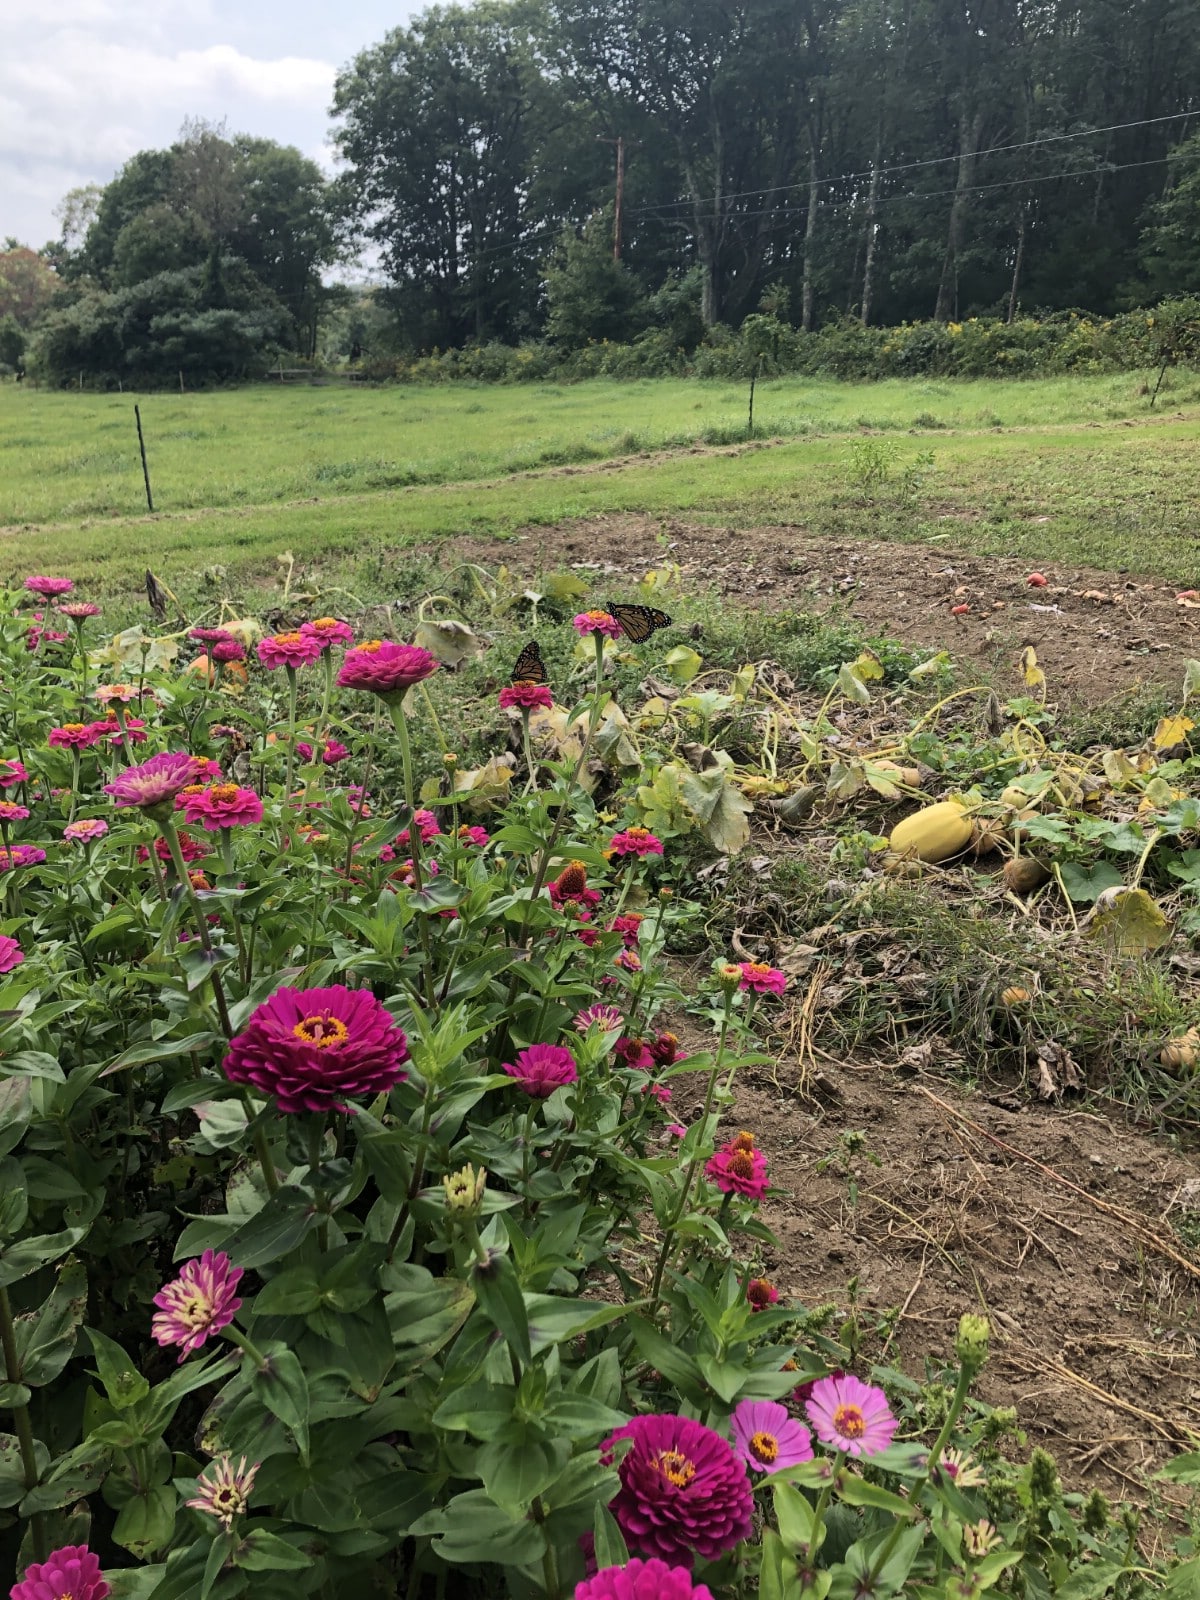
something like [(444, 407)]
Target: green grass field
[(332, 473)]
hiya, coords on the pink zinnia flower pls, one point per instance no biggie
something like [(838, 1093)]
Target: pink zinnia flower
[(49, 587), (607, 1018), (525, 697), (223, 1490), (570, 888), (72, 1572), (12, 773), (332, 751), (223, 805), (384, 668), (108, 692), (628, 926), (676, 1130), (543, 1068), (191, 849), (85, 830), (664, 1049), (11, 954), (738, 1169), (851, 1415), (589, 622), (198, 1303), (73, 736), (759, 978), (10, 811), (226, 650), (21, 855), (209, 635), (659, 1092), (288, 650), (78, 610), (156, 782), (629, 960), (766, 1438), (473, 836), (683, 1490), (428, 825), (642, 1580), (110, 728), (314, 1048), (632, 1052), (761, 1293), (329, 631), (635, 842)]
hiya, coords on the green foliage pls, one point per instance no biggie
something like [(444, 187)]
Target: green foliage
[(589, 296)]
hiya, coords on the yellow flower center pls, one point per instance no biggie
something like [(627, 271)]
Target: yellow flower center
[(849, 1422), (764, 1447), (325, 622), (676, 1468), (288, 638), (597, 616), (323, 1031), (223, 793), (370, 646), (758, 968), (744, 1141), (637, 833), (228, 1499), (73, 727), (196, 1312)]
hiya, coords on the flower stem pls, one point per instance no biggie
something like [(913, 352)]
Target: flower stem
[(293, 693), (167, 826), (29, 1467)]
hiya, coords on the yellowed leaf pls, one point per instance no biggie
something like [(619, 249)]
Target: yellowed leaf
[(1033, 675), (1129, 920), (868, 666), (1172, 731)]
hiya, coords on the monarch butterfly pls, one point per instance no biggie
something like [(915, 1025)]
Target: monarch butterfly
[(529, 666), (638, 622)]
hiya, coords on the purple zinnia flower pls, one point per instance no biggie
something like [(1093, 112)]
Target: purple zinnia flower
[(156, 782), (683, 1490), (49, 587), (21, 855), (851, 1415), (11, 954), (642, 1580), (72, 1572), (313, 1048), (766, 1438), (543, 1068), (198, 1303)]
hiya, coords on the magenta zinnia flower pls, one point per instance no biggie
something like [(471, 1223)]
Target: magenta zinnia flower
[(78, 610), (766, 1438), (209, 635), (85, 830), (851, 1415), (607, 1018), (12, 773), (385, 668), (49, 587), (635, 842), (738, 1169), (331, 752), (198, 1303), (223, 805), (683, 1490), (223, 1490), (543, 1068), (73, 736), (21, 855), (156, 782), (642, 1580), (226, 650), (72, 1572), (759, 978), (589, 622), (11, 954), (110, 728), (10, 811), (525, 697), (288, 650), (761, 1293), (428, 825), (313, 1048), (329, 631)]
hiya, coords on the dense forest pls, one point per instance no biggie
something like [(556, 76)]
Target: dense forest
[(572, 171)]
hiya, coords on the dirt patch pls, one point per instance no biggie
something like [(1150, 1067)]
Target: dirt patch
[(1094, 632)]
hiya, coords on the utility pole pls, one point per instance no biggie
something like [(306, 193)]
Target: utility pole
[(619, 142)]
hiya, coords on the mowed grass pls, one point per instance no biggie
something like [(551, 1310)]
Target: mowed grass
[(1079, 472)]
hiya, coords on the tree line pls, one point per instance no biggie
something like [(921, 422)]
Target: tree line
[(877, 161)]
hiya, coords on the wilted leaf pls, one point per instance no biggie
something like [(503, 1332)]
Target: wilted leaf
[(852, 686), (1130, 920), (1033, 675), (653, 714), (719, 806), (664, 809), (613, 739), (683, 663), (1191, 680), (448, 641), (554, 735), (1118, 768), (481, 786), (246, 630), (868, 666), (128, 650), (1172, 731), (743, 681), (564, 586), (931, 668), (845, 779)]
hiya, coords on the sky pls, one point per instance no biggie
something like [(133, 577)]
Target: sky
[(86, 83)]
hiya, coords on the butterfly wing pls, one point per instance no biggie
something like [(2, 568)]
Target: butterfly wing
[(639, 622), (529, 666)]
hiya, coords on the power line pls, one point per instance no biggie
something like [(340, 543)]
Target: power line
[(934, 161)]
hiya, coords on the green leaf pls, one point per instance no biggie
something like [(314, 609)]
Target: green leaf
[(1184, 1469), (12, 1468), (676, 1365), (852, 686), (123, 1383), (291, 1294), (610, 1549), (147, 1521), (474, 1528), (777, 1572), (553, 1320), (513, 1472), (719, 806), (498, 1291), (1084, 884), (283, 1389), (682, 664), (24, 1256), (794, 1514), (260, 1551), (856, 1491)]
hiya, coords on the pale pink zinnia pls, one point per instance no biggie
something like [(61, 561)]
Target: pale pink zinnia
[(385, 668), (589, 622), (78, 610), (684, 1492), (85, 830), (850, 1415), (156, 782), (49, 587), (642, 1580), (71, 1572), (767, 1438), (543, 1068), (760, 978), (223, 805), (312, 1049), (223, 1490), (124, 692), (607, 1018), (329, 631), (198, 1303), (635, 842), (11, 954), (288, 650)]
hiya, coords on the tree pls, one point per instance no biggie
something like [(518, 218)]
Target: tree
[(1170, 243), (157, 240), (589, 296), (12, 342), (28, 283)]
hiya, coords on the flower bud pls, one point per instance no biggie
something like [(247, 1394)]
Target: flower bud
[(971, 1343), (464, 1191)]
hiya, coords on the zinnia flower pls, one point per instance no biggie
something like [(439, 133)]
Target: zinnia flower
[(980, 1537), (85, 830), (543, 1068), (10, 811), (525, 697), (570, 888), (331, 752), (385, 668), (210, 635), (759, 978), (635, 842), (49, 587), (607, 1018), (851, 1415), (11, 954), (736, 1170), (426, 822), (198, 1303), (21, 855), (683, 1490), (313, 1048), (961, 1469), (631, 1052), (78, 610), (72, 1572), (12, 773), (223, 805), (110, 728), (761, 1293), (226, 650), (288, 650), (627, 926), (73, 736), (642, 1580), (108, 692), (664, 1050), (155, 783), (589, 622), (190, 849), (223, 1490), (329, 631), (766, 1438), (473, 836)]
